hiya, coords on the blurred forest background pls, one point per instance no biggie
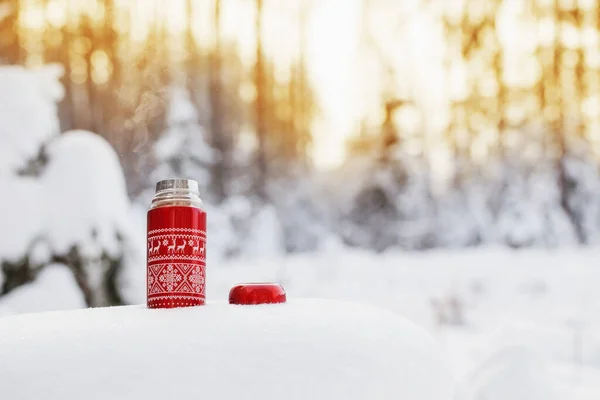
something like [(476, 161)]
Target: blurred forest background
[(430, 124), (342, 147)]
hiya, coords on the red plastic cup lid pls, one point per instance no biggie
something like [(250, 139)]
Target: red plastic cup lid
[(257, 293)]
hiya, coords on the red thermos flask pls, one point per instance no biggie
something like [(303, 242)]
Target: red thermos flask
[(176, 245)]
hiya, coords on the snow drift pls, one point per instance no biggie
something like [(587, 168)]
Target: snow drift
[(304, 349)]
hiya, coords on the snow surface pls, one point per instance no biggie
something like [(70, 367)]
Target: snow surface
[(525, 319), (536, 305), (304, 349), (511, 373)]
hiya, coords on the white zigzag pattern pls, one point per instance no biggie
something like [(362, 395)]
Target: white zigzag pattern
[(176, 297), (169, 257), (190, 230), (176, 236)]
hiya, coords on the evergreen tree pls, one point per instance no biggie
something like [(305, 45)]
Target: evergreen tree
[(183, 150)]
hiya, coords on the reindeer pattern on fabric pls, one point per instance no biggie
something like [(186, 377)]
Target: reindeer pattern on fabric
[(176, 264), (176, 244)]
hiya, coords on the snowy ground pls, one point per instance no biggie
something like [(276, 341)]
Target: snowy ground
[(535, 307), (305, 349), (531, 319)]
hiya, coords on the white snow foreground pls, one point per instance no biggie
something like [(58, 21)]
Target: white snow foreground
[(511, 373), (304, 349)]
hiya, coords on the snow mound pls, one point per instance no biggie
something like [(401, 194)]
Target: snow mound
[(86, 194), (511, 373), (305, 349), (53, 289)]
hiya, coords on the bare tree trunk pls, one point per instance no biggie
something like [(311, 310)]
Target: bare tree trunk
[(11, 51), (90, 87), (219, 137), (112, 115), (565, 185), (260, 105), (216, 116), (580, 87), (302, 124), (67, 110)]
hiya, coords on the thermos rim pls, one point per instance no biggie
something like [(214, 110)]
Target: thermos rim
[(177, 183)]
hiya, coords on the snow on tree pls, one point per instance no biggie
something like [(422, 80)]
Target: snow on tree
[(66, 198), (87, 211), (414, 202), (28, 119), (527, 208), (303, 217), (583, 192), (243, 226), (265, 237), (518, 220), (86, 204), (183, 150), (556, 228), (392, 203), (457, 220), (367, 215), (28, 113)]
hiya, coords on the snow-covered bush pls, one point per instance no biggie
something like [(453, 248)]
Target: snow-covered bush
[(370, 223), (518, 221), (241, 227), (415, 205), (544, 199), (583, 185), (302, 212), (527, 207), (458, 217), (66, 200), (389, 204)]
